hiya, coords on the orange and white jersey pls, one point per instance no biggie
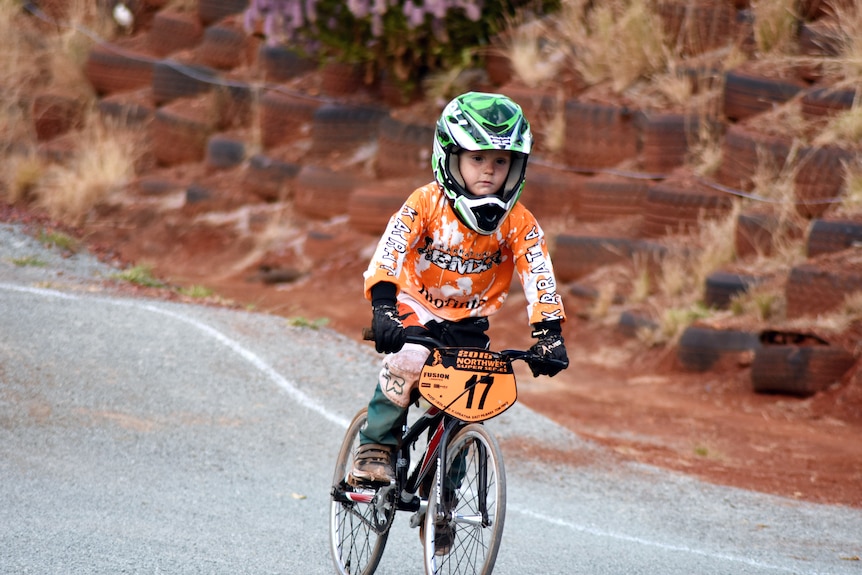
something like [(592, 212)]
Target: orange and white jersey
[(457, 273)]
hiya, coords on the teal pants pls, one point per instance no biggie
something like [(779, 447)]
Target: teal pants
[(384, 425), (384, 421)]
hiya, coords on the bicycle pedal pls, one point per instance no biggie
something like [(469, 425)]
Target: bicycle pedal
[(367, 483), (417, 519)]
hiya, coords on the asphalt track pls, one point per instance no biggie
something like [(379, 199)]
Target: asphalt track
[(142, 436)]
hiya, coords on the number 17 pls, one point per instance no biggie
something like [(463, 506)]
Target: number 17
[(471, 384)]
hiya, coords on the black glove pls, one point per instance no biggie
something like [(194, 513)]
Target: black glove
[(388, 330), (550, 347)]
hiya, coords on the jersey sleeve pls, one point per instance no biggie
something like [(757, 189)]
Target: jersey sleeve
[(402, 231), (535, 270)]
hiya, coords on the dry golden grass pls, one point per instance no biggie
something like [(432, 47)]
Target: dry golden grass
[(761, 303), (555, 127), (17, 44), (704, 156), (37, 55), (101, 165), (675, 87), (602, 304), (847, 25), (19, 49), (774, 179), (616, 42), (851, 197), (20, 176), (642, 281), (777, 185), (835, 322), (443, 85), (845, 128), (619, 41), (534, 59), (775, 24), (674, 288)]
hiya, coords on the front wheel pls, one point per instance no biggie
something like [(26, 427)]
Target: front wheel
[(360, 517), (466, 507)]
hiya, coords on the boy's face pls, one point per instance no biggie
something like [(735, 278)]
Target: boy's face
[(484, 171)]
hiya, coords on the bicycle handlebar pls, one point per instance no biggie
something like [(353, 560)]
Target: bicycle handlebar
[(512, 354)]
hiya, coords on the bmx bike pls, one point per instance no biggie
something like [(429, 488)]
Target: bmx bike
[(448, 467)]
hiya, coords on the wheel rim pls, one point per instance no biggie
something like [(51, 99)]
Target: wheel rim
[(477, 527), (359, 522)]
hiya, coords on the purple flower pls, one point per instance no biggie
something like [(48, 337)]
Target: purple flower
[(293, 17), (472, 10), (414, 14), (376, 25), (358, 8), (249, 19), (271, 24), (436, 8), (311, 10)]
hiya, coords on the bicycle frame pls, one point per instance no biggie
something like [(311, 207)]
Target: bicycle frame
[(448, 470)]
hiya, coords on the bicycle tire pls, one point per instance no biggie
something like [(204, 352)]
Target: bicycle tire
[(697, 27), (820, 103), (226, 46), (180, 132), (828, 236), (747, 93), (702, 348), (119, 67), (679, 207), (225, 151), (666, 138), (282, 63), (606, 197), (799, 370), (174, 31), (474, 545), (820, 178), (744, 150), (721, 287), (210, 11), (174, 80), (355, 546), (403, 148), (600, 135)]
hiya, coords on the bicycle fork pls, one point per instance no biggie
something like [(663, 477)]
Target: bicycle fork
[(455, 474), (432, 459)]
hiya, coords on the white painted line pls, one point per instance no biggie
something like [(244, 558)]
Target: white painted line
[(301, 398), (315, 406), (649, 543)]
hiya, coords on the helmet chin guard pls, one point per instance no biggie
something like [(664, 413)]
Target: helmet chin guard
[(477, 121)]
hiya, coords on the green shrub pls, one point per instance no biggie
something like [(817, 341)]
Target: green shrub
[(405, 39)]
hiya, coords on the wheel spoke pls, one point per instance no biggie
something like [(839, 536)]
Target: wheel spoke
[(474, 487), (359, 517)]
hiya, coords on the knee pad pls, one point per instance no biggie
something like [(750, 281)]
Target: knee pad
[(400, 373)]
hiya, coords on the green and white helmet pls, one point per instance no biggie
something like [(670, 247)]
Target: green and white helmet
[(478, 121)]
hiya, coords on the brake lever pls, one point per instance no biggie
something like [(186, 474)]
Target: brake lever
[(527, 356)]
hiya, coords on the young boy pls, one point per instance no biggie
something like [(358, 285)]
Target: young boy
[(446, 260)]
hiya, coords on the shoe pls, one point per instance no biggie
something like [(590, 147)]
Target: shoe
[(444, 536), (372, 464)]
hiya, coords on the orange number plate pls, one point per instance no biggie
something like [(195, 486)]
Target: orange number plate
[(470, 384)]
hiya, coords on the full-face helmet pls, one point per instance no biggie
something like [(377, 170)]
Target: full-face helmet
[(478, 121)]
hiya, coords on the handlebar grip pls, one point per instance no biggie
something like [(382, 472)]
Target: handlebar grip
[(426, 340), (558, 362)]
